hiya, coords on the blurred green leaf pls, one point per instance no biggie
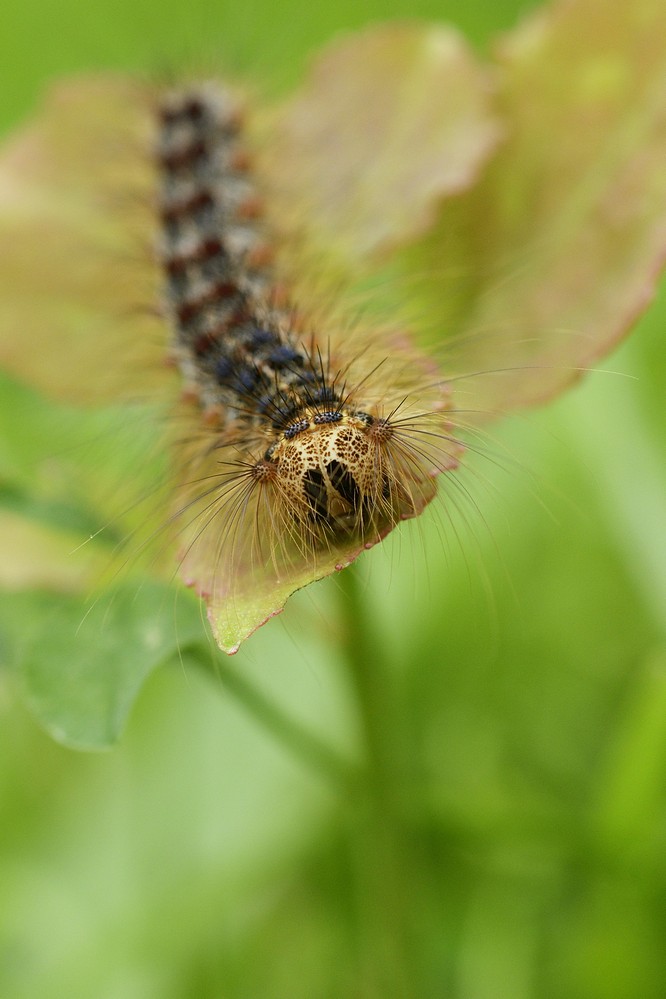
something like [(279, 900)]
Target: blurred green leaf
[(81, 672)]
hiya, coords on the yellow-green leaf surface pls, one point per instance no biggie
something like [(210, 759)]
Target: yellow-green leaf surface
[(547, 262), (74, 486), (389, 122), (77, 277), (34, 555)]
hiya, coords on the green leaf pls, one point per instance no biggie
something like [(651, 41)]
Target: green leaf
[(81, 672), (78, 484), (34, 555)]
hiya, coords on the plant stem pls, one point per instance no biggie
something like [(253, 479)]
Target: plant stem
[(303, 744), (377, 821)]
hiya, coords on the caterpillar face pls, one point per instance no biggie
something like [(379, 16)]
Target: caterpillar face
[(327, 468)]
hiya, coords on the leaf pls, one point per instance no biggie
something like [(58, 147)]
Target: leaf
[(76, 190), (390, 121), (82, 484), (34, 555), (547, 262), (81, 673)]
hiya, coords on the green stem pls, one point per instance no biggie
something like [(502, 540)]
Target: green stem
[(303, 744), (377, 825)]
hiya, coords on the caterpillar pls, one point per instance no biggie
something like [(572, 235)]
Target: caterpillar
[(307, 454)]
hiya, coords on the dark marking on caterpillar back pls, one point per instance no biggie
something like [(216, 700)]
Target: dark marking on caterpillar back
[(229, 339)]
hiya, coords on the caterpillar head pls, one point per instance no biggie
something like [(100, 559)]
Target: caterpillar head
[(258, 522), (335, 474)]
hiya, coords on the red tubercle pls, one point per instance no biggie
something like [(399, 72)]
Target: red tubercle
[(185, 157), (175, 265), (209, 248), (259, 257), (237, 318), (251, 208), (240, 161), (187, 310), (192, 108), (204, 344), (179, 211), (220, 291), (199, 253), (190, 395)]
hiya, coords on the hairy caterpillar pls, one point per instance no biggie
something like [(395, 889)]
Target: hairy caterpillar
[(307, 450)]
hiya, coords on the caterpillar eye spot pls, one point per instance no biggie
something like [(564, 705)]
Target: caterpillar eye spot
[(315, 492), (344, 483)]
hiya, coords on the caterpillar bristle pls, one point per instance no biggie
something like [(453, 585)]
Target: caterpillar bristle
[(301, 450)]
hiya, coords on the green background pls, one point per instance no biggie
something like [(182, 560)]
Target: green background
[(517, 847)]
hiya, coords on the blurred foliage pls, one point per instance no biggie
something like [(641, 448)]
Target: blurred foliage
[(509, 838)]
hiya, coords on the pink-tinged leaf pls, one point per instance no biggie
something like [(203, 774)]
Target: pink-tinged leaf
[(77, 276), (547, 262), (390, 121)]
